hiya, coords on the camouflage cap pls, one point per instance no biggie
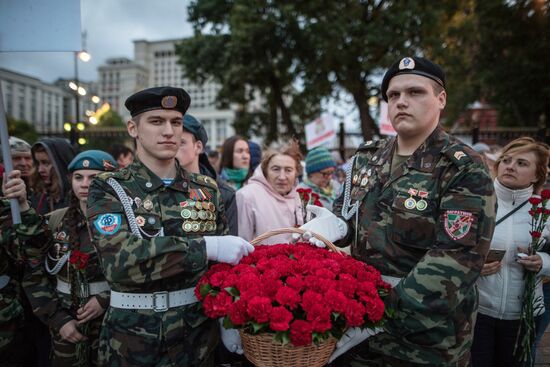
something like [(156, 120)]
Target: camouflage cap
[(195, 127), (158, 98), (413, 65)]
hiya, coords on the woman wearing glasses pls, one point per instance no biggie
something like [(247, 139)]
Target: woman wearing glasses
[(320, 168)]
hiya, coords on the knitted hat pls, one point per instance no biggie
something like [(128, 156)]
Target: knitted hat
[(255, 154), (318, 159), (93, 159)]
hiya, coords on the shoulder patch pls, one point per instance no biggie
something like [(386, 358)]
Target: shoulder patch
[(108, 224)]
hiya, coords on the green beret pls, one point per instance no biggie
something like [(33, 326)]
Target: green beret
[(93, 159), (413, 65), (158, 98), (195, 127)]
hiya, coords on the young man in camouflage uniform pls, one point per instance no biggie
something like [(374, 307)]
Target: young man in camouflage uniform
[(155, 227), (420, 208), (17, 244)]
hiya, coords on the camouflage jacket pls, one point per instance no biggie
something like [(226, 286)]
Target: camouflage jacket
[(429, 223), (19, 244), (171, 254), (52, 307)]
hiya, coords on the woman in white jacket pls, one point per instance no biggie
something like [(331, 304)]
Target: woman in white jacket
[(521, 172)]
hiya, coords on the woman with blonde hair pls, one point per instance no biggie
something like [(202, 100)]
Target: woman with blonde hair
[(270, 200), (521, 171)]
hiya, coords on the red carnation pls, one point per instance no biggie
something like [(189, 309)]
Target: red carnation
[(319, 316), (535, 201), (259, 308), (545, 194), (354, 313), (310, 298), (300, 333), (375, 309), (237, 312), (535, 234), (79, 259), (280, 319), (287, 296)]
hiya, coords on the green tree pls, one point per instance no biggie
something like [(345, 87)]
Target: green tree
[(22, 129), (251, 49), (512, 59)]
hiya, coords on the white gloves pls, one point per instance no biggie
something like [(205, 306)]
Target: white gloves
[(231, 338), (350, 339), (326, 224), (227, 249)]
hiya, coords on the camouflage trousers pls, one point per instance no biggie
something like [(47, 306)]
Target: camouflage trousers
[(148, 339), (12, 343), (361, 356), (65, 352)]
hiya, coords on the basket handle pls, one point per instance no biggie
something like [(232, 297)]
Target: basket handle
[(275, 232)]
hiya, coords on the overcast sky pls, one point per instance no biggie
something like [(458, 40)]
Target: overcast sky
[(111, 26)]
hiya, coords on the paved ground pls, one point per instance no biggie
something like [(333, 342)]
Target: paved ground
[(543, 352)]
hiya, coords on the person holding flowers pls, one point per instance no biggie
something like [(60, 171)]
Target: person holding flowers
[(319, 168), (420, 209), (270, 201), (521, 172), (68, 292)]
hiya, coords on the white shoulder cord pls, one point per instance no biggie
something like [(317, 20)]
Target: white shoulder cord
[(125, 201), (347, 209), (59, 263)]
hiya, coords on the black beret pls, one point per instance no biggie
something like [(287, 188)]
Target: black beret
[(413, 65), (158, 98), (195, 127)]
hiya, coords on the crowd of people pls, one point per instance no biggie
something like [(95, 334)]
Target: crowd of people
[(102, 269)]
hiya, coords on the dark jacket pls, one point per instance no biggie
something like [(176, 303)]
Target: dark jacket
[(228, 194)]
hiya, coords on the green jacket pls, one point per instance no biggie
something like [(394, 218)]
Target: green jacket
[(436, 242), (19, 245)]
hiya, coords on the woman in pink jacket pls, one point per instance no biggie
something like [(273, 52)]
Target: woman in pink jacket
[(269, 200)]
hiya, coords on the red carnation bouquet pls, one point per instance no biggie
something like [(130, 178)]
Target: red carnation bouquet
[(300, 293), (308, 197), (526, 334)]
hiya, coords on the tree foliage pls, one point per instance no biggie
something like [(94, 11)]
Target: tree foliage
[(277, 60), (22, 129)]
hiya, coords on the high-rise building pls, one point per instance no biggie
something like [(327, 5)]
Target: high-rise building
[(30, 99), (156, 64)]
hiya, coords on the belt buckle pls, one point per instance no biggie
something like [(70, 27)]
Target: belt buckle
[(160, 301)]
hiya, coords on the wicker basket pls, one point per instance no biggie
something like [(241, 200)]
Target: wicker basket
[(264, 352)]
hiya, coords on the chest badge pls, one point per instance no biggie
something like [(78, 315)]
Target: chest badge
[(410, 203), (148, 204), (422, 204), (458, 223)]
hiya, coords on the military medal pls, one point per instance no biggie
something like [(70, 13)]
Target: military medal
[(137, 201), (140, 221), (410, 203), (186, 213), (183, 204), (355, 179), (148, 204), (194, 215), (202, 215), (422, 204), (196, 226), (212, 207), (364, 181), (186, 226), (61, 236)]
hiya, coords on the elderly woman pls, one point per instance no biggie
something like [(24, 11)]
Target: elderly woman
[(521, 171), (269, 200)]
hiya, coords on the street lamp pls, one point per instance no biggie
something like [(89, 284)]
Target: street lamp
[(79, 91)]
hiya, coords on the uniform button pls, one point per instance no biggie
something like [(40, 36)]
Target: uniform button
[(184, 185), (148, 184), (374, 158), (151, 220), (194, 265)]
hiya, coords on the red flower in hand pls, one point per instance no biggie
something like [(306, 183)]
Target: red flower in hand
[(535, 201), (536, 234), (545, 194), (79, 259)]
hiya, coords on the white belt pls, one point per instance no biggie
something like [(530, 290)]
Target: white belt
[(392, 280), (157, 301), (94, 288)]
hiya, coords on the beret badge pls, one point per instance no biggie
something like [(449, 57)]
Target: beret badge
[(406, 63), (85, 163), (169, 101)]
